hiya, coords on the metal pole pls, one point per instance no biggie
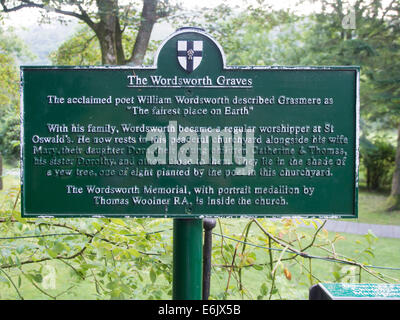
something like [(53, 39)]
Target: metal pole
[(187, 259), (208, 225)]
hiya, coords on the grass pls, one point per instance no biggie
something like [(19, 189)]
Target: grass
[(348, 245), (371, 209)]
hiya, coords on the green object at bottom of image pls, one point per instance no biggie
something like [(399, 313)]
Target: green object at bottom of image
[(360, 291)]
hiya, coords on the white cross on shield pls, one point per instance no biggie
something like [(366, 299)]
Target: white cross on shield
[(189, 54)]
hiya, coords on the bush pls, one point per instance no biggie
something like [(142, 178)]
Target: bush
[(378, 156), (9, 135)]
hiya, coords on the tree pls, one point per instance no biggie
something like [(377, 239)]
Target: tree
[(374, 44), (108, 20), (7, 91), (82, 48), (377, 155), (386, 80), (248, 36), (11, 49), (262, 36)]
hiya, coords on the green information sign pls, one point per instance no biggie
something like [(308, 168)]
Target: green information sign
[(190, 137), (359, 291)]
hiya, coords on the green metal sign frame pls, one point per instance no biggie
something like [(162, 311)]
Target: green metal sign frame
[(286, 138)]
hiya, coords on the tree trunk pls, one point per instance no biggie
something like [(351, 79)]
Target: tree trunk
[(393, 202), (118, 44), (148, 19), (108, 31)]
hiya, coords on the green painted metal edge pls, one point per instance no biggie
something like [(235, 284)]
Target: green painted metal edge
[(187, 259)]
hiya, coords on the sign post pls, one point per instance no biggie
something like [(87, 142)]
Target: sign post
[(187, 259), (189, 138)]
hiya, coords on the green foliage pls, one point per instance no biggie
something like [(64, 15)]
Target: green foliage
[(260, 36), (9, 134), (12, 45), (254, 36), (280, 260), (378, 158), (8, 75), (119, 258), (113, 258), (9, 82), (83, 48), (373, 44), (11, 48)]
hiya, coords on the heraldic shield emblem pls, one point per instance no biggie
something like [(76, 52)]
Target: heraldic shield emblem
[(190, 54)]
